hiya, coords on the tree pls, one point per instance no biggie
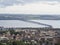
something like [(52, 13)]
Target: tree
[(12, 31)]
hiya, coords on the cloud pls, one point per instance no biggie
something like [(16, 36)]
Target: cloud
[(4, 3), (42, 7)]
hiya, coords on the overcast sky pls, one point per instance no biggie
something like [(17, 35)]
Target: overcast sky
[(30, 6)]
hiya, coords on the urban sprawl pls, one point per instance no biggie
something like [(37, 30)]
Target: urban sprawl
[(29, 36)]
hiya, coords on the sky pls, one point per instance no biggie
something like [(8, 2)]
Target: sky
[(30, 6)]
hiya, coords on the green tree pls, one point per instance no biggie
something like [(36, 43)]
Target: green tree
[(12, 31), (20, 43)]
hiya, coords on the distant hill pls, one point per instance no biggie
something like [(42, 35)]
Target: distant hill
[(28, 17)]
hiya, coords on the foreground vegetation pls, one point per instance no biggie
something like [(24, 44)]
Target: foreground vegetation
[(24, 43)]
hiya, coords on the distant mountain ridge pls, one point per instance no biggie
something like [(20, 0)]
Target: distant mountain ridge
[(28, 17)]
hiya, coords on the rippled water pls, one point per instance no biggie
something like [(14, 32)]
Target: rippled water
[(18, 23), (23, 24), (53, 23)]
